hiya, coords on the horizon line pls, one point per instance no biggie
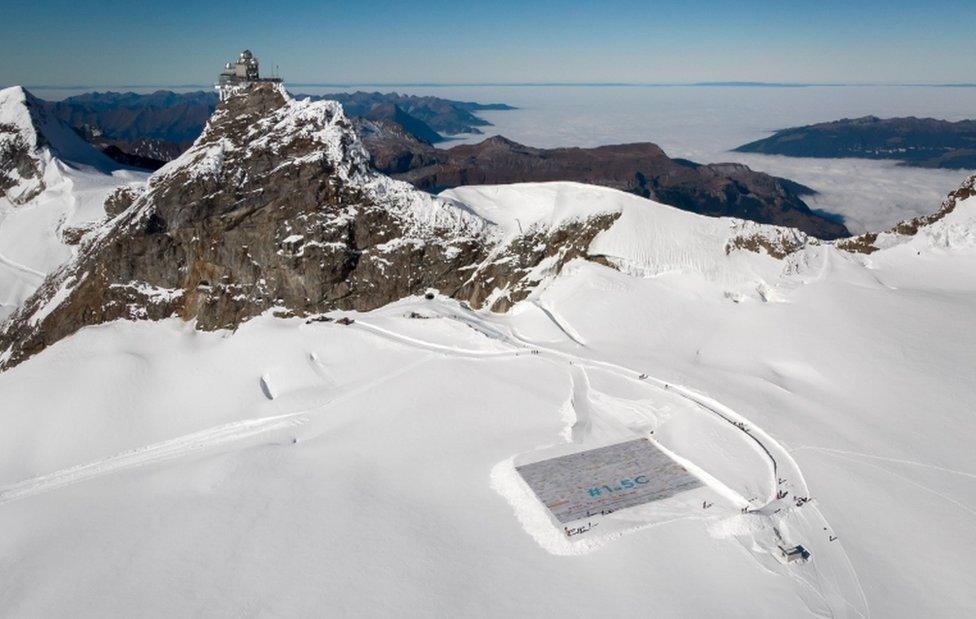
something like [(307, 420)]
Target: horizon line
[(712, 84)]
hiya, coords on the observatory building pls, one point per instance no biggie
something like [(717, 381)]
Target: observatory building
[(244, 71)]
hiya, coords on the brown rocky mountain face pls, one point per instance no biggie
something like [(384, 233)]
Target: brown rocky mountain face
[(722, 189), (275, 207), (16, 164)]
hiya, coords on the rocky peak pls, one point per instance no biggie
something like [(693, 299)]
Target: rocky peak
[(498, 142), (275, 207), (30, 139)]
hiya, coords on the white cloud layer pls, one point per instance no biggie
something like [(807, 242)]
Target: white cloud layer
[(704, 123)]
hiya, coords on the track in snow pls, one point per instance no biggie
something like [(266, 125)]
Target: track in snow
[(193, 443), (831, 594), (754, 434), (566, 329), (196, 442), (587, 420), (33, 274)]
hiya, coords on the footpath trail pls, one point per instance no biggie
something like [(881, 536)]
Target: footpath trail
[(235, 434)]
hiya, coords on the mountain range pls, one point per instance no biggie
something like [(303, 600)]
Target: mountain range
[(162, 124), (644, 169), (268, 378), (400, 131), (919, 142)]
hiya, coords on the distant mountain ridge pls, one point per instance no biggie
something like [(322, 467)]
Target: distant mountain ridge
[(644, 169), (148, 130), (442, 115), (918, 142), (179, 117)]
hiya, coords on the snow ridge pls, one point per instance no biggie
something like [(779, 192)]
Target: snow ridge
[(45, 137)]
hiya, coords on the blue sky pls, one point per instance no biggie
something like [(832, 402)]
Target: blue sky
[(108, 42)]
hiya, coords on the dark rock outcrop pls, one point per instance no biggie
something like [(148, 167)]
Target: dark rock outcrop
[(275, 208), (920, 142), (130, 160), (17, 165), (121, 199)]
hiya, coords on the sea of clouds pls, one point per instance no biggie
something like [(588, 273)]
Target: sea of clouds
[(705, 123)]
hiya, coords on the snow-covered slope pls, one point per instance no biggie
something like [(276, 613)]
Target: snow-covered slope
[(305, 467), (52, 185), (46, 135), (648, 239)]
